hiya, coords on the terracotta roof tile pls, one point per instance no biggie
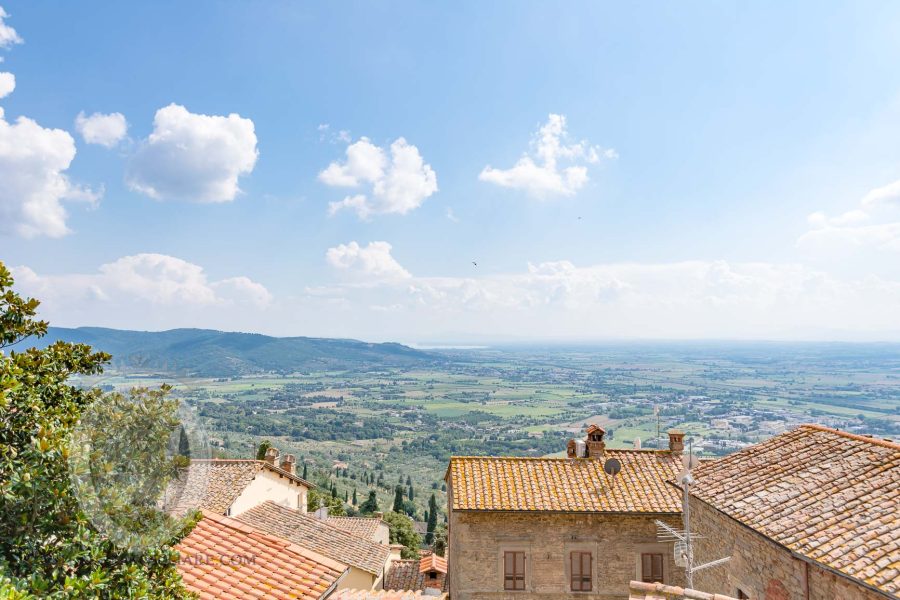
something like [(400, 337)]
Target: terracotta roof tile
[(364, 527), (657, 591), (432, 562), (215, 484), (318, 535), (566, 484), (405, 575), (828, 495), (266, 566), (349, 594)]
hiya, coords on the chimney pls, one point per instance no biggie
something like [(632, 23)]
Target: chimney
[(594, 441), (272, 456), (676, 441), (570, 449), (396, 549), (378, 515), (637, 443), (289, 464)]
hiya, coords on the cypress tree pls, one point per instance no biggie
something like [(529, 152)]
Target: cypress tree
[(398, 499)]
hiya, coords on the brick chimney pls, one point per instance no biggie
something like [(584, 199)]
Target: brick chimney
[(289, 464), (272, 456), (570, 449), (676, 441), (594, 441)]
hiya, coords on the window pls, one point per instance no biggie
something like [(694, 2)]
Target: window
[(513, 570), (581, 564), (652, 568)]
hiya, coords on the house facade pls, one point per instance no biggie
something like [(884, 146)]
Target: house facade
[(562, 527), (811, 514)]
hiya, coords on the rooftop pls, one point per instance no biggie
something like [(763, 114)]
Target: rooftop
[(657, 591), (318, 535), (830, 496), (406, 574), (223, 558), (385, 595), (493, 483), (215, 484), (364, 527)]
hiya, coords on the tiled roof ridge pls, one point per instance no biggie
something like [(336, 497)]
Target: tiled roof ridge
[(672, 592), (337, 531), (853, 436), (664, 453), (262, 464), (275, 540)]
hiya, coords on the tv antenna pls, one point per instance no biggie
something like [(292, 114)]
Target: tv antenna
[(684, 539)]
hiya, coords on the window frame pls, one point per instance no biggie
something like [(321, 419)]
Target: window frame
[(662, 567), (515, 577), (585, 581)]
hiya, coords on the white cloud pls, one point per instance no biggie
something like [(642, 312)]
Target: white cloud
[(451, 215), (33, 161), (558, 299), (193, 157), (859, 235), (105, 130), (370, 262), (8, 35), (885, 195), (554, 167), (397, 185), (7, 84), (154, 279)]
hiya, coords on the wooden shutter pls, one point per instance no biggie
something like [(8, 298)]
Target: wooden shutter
[(581, 565), (514, 570), (652, 568)]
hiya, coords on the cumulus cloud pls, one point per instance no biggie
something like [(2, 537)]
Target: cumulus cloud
[(861, 232), (8, 35), (554, 167), (155, 279), (395, 185), (33, 161), (103, 129), (373, 261), (7, 84), (193, 157)]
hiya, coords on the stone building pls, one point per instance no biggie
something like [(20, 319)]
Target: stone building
[(811, 514), (561, 527)]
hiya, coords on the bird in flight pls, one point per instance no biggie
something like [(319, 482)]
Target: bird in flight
[(474, 263)]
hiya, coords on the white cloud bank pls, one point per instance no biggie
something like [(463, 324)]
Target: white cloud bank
[(8, 35), (395, 185), (193, 157), (7, 84), (559, 300), (137, 290), (554, 167), (102, 129), (33, 161)]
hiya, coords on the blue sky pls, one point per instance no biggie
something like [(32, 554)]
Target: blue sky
[(730, 168)]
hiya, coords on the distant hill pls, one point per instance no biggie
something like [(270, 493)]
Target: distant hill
[(210, 353)]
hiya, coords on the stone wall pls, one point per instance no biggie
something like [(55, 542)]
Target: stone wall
[(759, 567), (477, 541)]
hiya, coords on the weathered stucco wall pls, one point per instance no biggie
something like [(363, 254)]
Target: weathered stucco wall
[(477, 541), (759, 567), (270, 486)]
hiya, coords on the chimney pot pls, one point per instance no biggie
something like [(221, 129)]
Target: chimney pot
[(570, 449), (289, 464), (272, 456), (676, 441), (637, 443), (594, 441)]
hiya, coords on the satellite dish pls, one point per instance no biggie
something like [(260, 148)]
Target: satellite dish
[(690, 461), (612, 467)]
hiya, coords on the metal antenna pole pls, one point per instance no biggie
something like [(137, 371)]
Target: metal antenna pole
[(686, 512)]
